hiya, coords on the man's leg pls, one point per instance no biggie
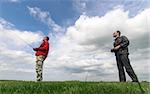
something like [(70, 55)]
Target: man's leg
[(122, 76), (126, 62), (38, 71), (39, 67)]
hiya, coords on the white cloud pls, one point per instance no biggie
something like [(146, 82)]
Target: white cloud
[(45, 17), (14, 1), (101, 7), (5, 24), (19, 38), (80, 5)]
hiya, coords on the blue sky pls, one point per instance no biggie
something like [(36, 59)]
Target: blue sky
[(82, 33), (60, 12), (63, 12)]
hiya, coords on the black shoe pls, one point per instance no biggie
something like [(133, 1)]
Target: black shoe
[(134, 81), (38, 80)]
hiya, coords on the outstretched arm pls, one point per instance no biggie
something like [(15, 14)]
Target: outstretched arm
[(45, 47)]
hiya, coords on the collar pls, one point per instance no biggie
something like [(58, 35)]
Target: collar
[(117, 38)]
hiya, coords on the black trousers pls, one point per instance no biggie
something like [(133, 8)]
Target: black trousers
[(123, 61)]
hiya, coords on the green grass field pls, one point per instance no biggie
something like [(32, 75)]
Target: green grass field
[(71, 87)]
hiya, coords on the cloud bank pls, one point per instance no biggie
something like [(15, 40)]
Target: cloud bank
[(85, 47), (83, 51)]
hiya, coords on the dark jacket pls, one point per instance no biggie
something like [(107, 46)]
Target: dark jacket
[(123, 42)]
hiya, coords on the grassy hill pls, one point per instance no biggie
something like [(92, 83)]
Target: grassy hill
[(71, 87)]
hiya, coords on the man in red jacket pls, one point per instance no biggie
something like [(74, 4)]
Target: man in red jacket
[(41, 54)]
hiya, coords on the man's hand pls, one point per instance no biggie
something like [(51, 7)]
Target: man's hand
[(35, 49), (117, 47), (112, 50)]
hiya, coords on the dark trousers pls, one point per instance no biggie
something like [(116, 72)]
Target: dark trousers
[(123, 61)]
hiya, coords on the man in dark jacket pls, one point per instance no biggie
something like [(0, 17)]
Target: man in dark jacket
[(120, 49), (41, 54)]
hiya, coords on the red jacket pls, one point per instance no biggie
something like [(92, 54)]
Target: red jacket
[(43, 49)]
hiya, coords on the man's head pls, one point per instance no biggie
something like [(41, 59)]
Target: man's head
[(116, 34), (46, 38)]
